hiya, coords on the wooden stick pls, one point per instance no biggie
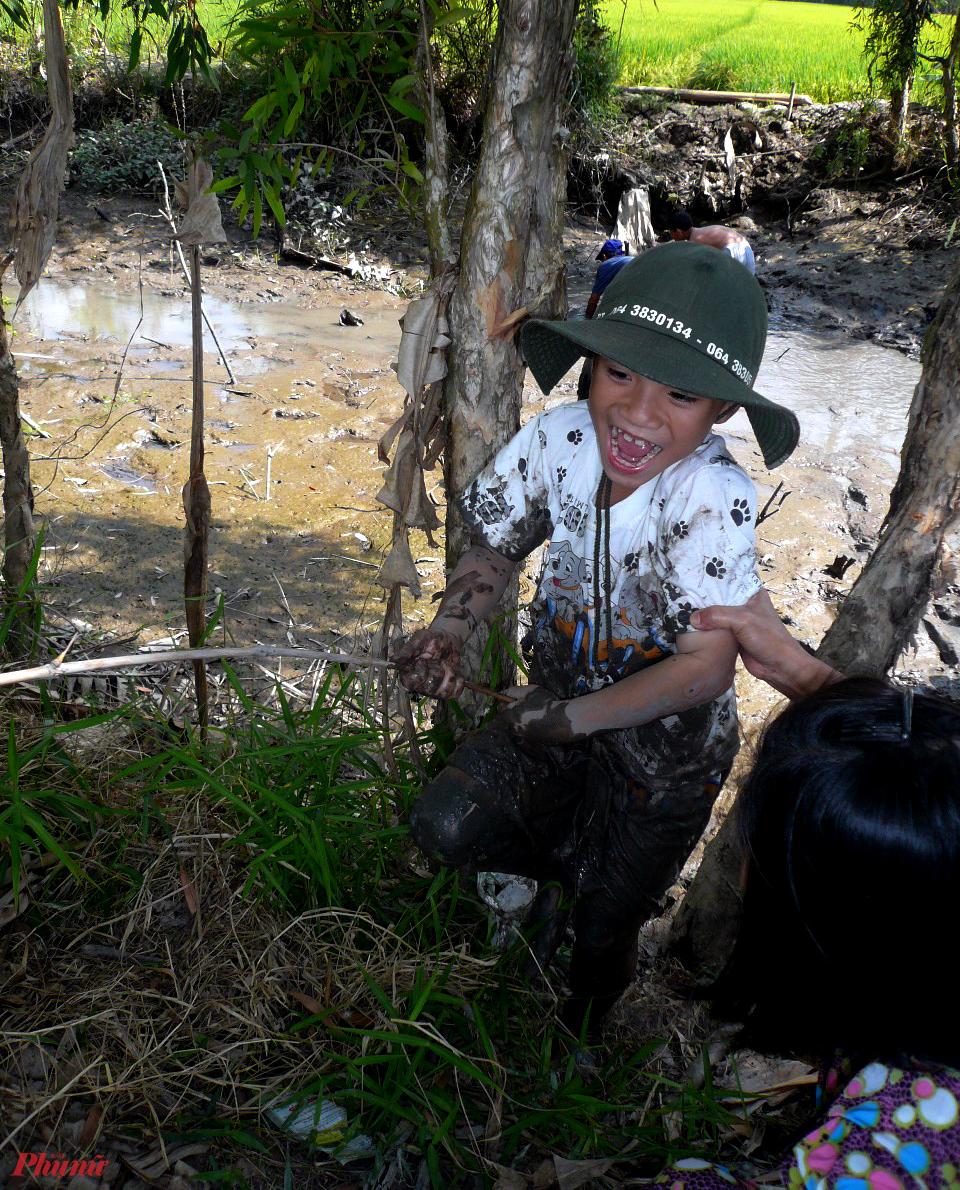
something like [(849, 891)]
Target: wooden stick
[(55, 669)]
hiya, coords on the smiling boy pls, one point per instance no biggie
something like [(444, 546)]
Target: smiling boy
[(599, 781)]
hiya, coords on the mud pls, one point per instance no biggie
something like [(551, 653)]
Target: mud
[(103, 356)]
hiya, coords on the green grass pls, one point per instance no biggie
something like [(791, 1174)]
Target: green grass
[(430, 1042), (747, 45)]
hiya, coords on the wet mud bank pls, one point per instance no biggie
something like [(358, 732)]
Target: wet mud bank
[(103, 356)]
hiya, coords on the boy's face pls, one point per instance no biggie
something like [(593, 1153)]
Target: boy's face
[(643, 427)]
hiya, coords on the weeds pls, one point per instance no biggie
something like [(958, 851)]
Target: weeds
[(244, 923), (122, 157)]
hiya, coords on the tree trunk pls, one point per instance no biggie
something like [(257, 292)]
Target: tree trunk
[(897, 128), (951, 137), (18, 527), (876, 619), (33, 223), (881, 613), (511, 251)]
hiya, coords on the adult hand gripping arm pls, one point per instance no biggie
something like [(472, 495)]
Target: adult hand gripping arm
[(767, 649)]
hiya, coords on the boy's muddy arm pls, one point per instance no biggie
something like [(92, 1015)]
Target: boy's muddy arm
[(699, 672), (429, 661), (768, 650)]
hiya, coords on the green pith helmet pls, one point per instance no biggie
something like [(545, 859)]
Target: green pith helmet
[(681, 314)]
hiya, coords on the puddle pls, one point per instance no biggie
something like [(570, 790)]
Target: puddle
[(55, 311), (126, 475), (851, 398)]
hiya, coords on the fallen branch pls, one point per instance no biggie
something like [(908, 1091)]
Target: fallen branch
[(684, 95), (289, 251), (57, 668)]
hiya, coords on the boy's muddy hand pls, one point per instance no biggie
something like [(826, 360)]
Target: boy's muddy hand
[(428, 662), (538, 715)]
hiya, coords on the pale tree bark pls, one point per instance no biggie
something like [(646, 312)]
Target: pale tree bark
[(511, 251), (33, 222), (877, 618), (18, 527), (951, 137), (897, 128)]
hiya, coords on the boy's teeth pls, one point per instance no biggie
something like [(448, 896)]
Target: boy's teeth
[(629, 449)]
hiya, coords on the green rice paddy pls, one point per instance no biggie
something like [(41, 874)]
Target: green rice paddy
[(747, 45)]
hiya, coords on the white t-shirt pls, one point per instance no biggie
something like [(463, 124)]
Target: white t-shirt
[(682, 541)]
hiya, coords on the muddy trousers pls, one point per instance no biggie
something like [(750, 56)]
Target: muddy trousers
[(566, 815)]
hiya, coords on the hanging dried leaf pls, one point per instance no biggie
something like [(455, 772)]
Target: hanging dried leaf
[(386, 441), (395, 492), (421, 358), (201, 224), (420, 512), (398, 567), (33, 218)]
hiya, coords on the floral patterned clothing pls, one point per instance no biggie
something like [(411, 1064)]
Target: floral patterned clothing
[(888, 1129), (680, 542)]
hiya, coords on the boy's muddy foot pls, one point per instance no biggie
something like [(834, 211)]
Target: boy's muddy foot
[(545, 926)]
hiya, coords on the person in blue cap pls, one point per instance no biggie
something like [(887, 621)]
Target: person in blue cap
[(612, 256), (599, 779)]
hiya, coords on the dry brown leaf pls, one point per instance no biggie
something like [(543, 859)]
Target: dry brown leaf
[(189, 892), (90, 1129), (308, 1002), (398, 567), (509, 1179), (421, 358), (545, 1175), (395, 492), (571, 1175), (201, 224)]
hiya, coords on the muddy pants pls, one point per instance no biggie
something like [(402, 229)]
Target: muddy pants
[(565, 814)]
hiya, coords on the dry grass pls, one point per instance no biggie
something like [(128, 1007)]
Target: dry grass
[(183, 998)]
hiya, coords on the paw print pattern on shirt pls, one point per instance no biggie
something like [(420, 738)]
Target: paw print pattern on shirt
[(715, 568), (679, 529), (561, 474), (740, 511), (575, 436)]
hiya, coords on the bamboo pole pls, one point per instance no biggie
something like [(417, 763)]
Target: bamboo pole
[(58, 668)]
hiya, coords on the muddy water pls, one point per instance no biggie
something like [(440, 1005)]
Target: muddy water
[(55, 311), (299, 565)]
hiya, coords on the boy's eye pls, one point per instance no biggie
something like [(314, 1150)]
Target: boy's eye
[(617, 373), (684, 398)]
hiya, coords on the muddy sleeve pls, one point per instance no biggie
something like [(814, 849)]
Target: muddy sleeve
[(508, 505), (705, 544)]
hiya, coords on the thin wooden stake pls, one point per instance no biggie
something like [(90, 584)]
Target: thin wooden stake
[(196, 504)]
